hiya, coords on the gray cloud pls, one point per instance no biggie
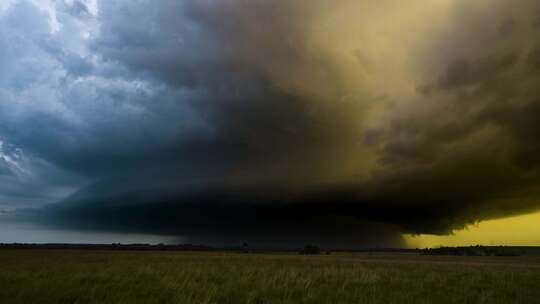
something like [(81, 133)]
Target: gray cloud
[(233, 119)]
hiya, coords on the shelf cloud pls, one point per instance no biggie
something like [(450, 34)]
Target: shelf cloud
[(278, 122)]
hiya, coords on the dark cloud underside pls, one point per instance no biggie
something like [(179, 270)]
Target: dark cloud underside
[(274, 121)]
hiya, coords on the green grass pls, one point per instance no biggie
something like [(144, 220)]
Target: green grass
[(34, 276)]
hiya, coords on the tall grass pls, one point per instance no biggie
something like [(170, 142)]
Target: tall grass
[(161, 277)]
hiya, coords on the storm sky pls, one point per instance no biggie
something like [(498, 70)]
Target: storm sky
[(341, 123)]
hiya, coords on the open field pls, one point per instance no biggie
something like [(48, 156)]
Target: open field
[(70, 276)]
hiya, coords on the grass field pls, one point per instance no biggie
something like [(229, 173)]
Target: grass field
[(36, 276)]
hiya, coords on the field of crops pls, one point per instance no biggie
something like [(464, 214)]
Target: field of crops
[(64, 276)]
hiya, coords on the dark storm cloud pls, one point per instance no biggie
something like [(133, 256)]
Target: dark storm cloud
[(252, 118), (136, 121), (227, 120), (226, 215), (473, 154), (57, 106)]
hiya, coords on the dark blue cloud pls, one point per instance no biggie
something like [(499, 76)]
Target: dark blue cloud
[(159, 117)]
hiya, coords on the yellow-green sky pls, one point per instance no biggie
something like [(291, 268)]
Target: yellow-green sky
[(513, 231)]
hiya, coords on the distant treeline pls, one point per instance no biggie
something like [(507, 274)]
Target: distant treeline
[(483, 251), (308, 249)]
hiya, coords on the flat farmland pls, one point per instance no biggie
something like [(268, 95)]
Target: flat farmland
[(82, 276)]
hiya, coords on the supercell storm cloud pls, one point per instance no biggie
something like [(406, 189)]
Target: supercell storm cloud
[(279, 122)]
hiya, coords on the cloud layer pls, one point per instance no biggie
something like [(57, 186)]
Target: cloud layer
[(277, 121)]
